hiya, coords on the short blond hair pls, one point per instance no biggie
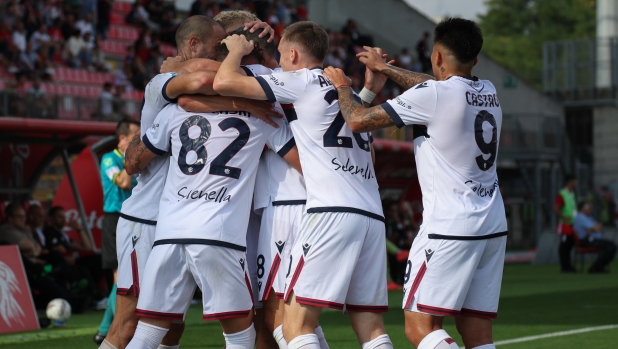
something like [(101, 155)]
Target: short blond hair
[(231, 20)]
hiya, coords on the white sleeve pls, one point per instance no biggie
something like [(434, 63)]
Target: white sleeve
[(255, 70), (284, 87), (281, 139), (415, 106), (157, 137), (154, 95)]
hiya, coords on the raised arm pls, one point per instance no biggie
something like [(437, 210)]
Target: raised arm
[(402, 77), (137, 156), (177, 65), (229, 81), (192, 83), (358, 118), (204, 104)]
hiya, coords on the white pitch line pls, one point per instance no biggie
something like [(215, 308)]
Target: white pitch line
[(555, 334)]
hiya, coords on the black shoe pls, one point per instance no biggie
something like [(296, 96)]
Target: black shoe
[(569, 271), (44, 322), (598, 271), (98, 338)]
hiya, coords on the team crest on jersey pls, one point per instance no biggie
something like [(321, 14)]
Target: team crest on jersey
[(428, 253), (280, 245), (242, 263), (422, 85), (306, 248)]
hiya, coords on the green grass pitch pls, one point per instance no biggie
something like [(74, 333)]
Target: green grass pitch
[(535, 300)]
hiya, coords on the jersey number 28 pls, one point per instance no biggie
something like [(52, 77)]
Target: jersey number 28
[(219, 164), (331, 136)]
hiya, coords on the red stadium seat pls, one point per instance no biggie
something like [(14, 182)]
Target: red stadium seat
[(121, 6), (122, 32), (114, 47), (117, 18)]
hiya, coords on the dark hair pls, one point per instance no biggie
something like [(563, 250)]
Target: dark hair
[(11, 208), (262, 46), (581, 204), (53, 210), (124, 127), (569, 178), (461, 36), (310, 36), (200, 26)]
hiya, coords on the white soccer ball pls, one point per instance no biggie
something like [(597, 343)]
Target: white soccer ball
[(58, 310)]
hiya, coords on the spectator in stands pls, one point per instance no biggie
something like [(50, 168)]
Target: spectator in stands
[(35, 221), (19, 36), (11, 13), (139, 16), (85, 24), (104, 11), (301, 11), (32, 23), (68, 27), (28, 61), (78, 55), (38, 105), (588, 231), (565, 206), (198, 7), (352, 32), (15, 232), (6, 43), (106, 101), (99, 62), (423, 53), (405, 60), (117, 185), (168, 28), (40, 37)]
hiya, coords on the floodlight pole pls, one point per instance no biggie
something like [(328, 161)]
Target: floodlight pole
[(78, 199)]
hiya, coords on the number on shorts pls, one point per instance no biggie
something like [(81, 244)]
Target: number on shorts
[(490, 148), (260, 266), (408, 270)]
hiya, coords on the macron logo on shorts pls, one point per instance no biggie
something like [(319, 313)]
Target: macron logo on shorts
[(242, 263), (280, 245), (135, 239), (306, 248), (428, 254)]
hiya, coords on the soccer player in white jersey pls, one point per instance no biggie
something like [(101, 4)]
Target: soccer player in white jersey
[(198, 35), (456, 262), (341, 242), (204, 212)]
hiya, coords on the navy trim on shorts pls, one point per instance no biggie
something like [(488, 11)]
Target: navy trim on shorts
[(466, 238), (289, 202), (393, 114), (137, 220), (247, 71), (286, 148), (151, 147), (267, 89), (345, 209), (200, 242)]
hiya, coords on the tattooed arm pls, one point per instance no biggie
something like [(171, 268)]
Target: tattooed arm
[(373, 60), (359, 118), (137, 156)]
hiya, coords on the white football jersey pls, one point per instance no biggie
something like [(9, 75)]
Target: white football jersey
[(143, 204), (214, 156), (457, 126), (277, 182), (336, 162)]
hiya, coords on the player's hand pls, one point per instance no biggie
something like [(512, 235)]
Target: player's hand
[(255, 25), (262, 110), (171, 64), (372, 59), (374, 80), (74, 224), (238, 43), (337, 77)]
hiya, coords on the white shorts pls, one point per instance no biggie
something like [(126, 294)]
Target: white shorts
[(253, 235), (173, 271), (280, 227), (453, 277), (133, 245), (339, 260)]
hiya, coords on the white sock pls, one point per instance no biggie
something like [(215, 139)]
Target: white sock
[(380, 342), (320, 334), (241, 340), (161, 346), (107, 345), (306, 341), (278, 334), (147, 336), (486, 346), (437, 340)]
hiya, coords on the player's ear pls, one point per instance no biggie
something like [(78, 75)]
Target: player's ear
[(194, 43), (476, 60), (294, 56)]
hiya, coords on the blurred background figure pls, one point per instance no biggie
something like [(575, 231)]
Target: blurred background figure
[(565, 206), (589, 233)]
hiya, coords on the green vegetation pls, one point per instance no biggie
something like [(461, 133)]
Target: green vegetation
[(535, 300), (515, 30)]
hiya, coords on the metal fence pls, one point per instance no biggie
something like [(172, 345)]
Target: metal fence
[(584, 69), (66, 107)]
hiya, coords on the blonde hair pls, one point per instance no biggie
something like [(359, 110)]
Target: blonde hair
[(231, 20)]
